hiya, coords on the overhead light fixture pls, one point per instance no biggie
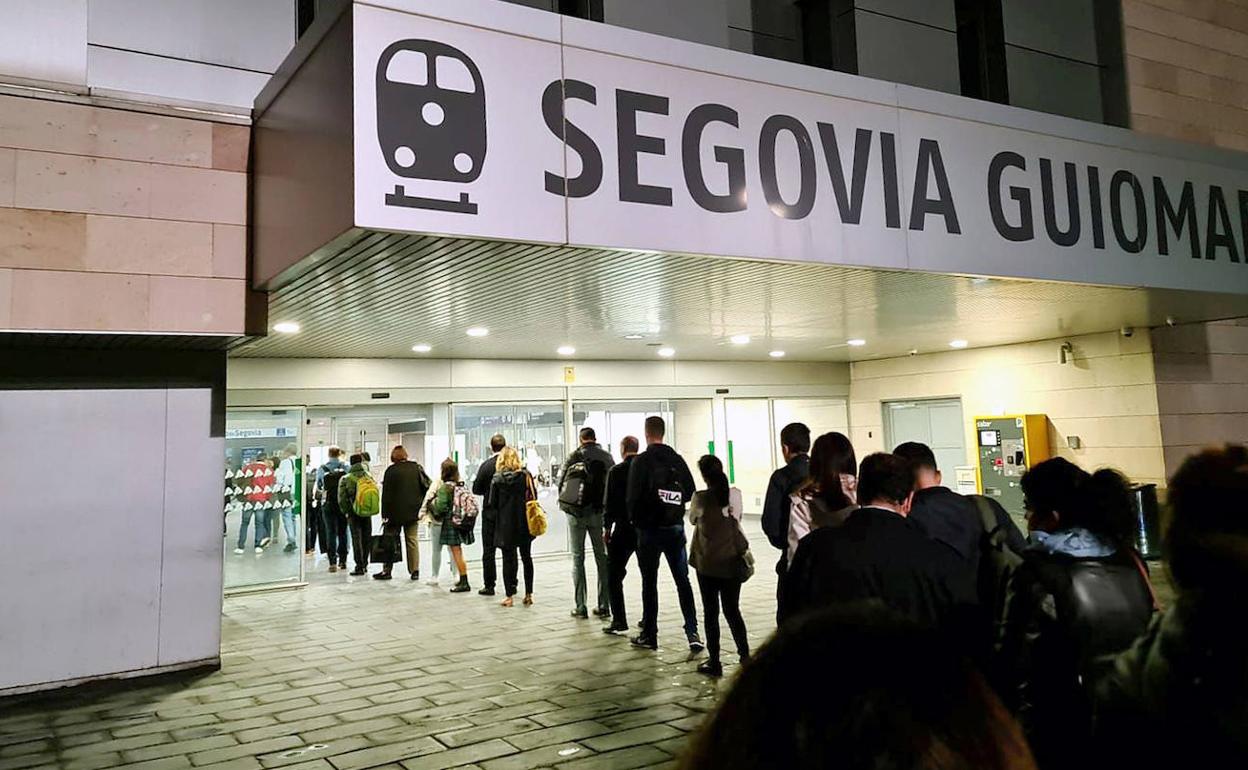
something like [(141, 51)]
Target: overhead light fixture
[(740, 339), (286, 327), (565, 350), (776, 354), (958, 344), (478, 331), (667, 352), (421, 348), (634, 336), (855, 343)]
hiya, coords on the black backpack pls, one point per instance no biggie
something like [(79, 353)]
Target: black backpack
[(668, 494), (330, 482), (583, 485)]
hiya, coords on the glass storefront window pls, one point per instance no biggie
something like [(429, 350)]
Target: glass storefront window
[(536, 431), (690, 428), (263, 500)]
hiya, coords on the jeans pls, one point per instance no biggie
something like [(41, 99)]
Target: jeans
[(668, 543), (714, 591), (621, 548), (435, 538), (288, 524), (578, 527), (335, 527), (510, 568), (489, 567), (361, 540), (262, 528), (411, 545)]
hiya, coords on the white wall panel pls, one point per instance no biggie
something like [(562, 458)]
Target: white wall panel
[(246, 34), (44, 40), (126, 73)]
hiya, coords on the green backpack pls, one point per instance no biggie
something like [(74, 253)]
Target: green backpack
[(367, 496), (443, 502)]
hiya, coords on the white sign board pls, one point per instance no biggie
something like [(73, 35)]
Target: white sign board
[(471, 131)]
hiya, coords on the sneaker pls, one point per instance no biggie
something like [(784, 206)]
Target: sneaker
[(615, 630), (358, 572), (259, 549), (695, 644), (333, 568), (381, 576), (290, 547), (265, 541), (602, 612), (711, 668), (486, 592), (430, 582), (648, 642), (582, 614), (240, 550)]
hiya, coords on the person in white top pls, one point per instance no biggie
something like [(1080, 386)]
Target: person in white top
[(721, 557), (829, 495)]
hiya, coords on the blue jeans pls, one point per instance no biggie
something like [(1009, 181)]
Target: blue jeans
[(288, 523), (578, 527), (669, 543), (262, 527)]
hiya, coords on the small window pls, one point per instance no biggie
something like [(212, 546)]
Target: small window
[(454, 75), (410, 67)]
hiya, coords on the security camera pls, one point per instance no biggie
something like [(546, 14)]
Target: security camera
[(1128, 331)]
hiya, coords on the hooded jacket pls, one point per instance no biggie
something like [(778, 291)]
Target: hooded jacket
[(508, 495), (347, 488), (644, 507)]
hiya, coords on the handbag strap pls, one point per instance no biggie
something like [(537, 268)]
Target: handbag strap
[(1139, 565), (530, 489)]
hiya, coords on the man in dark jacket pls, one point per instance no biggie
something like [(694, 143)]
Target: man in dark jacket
[(582, 487), (489, 516), (878, 554), (361, 526), (659, 487), (795, 447), (335, 522), (403, 489), (619, 534)]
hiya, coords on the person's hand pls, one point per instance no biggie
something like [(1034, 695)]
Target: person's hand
[(606, 536)]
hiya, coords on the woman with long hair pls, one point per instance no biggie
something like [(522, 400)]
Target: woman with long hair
[(720, 556), (830, 494), (439, 505), (1081, 592), (510, 491)]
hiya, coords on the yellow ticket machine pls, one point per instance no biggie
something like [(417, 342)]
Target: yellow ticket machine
[(1007, 446)]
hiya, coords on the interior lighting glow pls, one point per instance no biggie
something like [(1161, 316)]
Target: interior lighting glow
[(565, 350), (421, 348), (667, 352), (740, 339), (478, 331), (855, 343), (634, 336), (776, 354), (958, 344), (286, 327)]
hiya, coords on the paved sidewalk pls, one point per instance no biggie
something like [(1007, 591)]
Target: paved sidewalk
[(351, 673)]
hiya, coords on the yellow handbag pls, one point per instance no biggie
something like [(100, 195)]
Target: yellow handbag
[(533, 510)]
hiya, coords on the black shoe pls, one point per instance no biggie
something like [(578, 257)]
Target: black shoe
[(416, 575), (487, 591), (358, 572), (695, 644), (648, 642), (381, 576), (641, 625), (461, 587), (615, 630), (602, 612), (582, 614), (711, 668)]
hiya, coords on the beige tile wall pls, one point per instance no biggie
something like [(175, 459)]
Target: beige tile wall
[(120, 221), (1187, 69), (1106, 396)]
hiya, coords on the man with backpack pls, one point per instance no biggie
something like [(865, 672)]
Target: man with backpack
[(328, 477), (784, 481), (359, 497), (582, 488), (659, 487)]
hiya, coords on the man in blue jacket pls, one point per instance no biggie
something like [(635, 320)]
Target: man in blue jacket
[(795, 446)]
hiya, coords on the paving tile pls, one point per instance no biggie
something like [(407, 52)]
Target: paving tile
[(477, 734), (634, 737), (393, 752), (546, 756), (253, 750), (624, 759), (561, 734), (461, 756), (170, 749)]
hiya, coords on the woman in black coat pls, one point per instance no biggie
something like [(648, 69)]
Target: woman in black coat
[(403, 490), (510, 491), (1080, 593)]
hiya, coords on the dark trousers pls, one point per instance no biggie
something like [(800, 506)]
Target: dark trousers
[(335, 525), (782, 569), (315, 525), (361, 540), (668, 543), (511, 568), (716, 591), (621, 548), (489, 566)]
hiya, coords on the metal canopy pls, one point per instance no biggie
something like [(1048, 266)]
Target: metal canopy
[(382, 293)]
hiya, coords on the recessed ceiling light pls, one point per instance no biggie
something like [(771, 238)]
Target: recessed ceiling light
[(776, 354), (958, 344), (286, 327), (478, 331), (740, 339), (421, 348), (634, 336), (667, 352), (565, 350), (855, 343)]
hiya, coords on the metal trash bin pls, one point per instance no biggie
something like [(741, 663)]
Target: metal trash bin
[(1147, 520)]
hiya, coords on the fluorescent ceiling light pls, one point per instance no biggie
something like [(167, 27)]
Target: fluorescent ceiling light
[(667, 352), (740, 339), (478, 331), (286, 327), (776, 354), (855, 343), (565, 350), (958, 344), (421, 348)]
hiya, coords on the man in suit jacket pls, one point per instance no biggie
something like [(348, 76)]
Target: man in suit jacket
[(489, 516)]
